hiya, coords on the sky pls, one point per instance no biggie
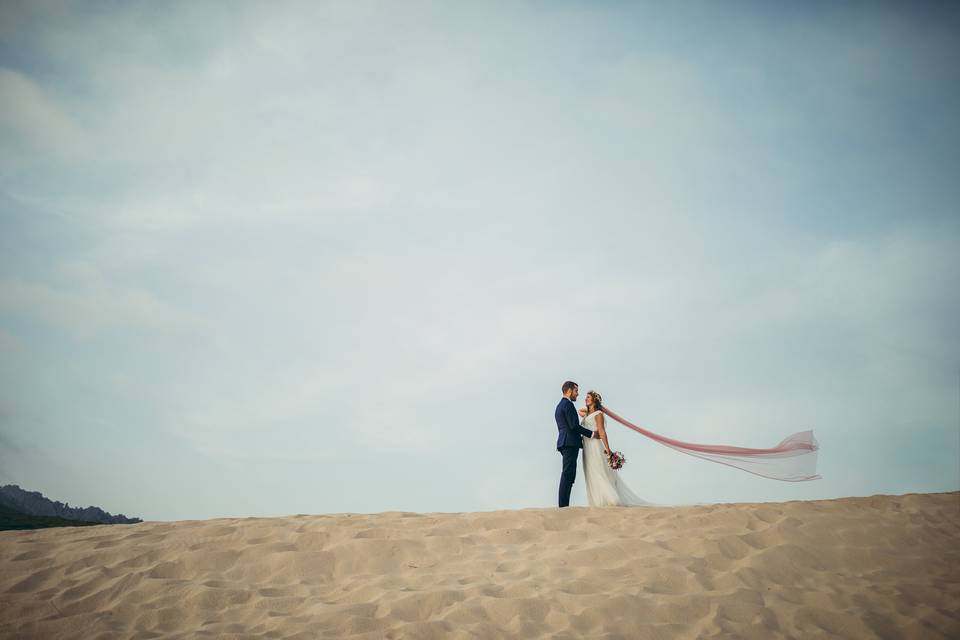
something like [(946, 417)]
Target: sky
[(262, 259)]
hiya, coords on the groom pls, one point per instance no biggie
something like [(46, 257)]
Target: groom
[(568, 440)]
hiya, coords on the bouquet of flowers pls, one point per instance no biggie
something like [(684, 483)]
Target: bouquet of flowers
[(616, 460)]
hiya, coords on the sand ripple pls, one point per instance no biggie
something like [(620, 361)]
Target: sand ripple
[(874, 567)]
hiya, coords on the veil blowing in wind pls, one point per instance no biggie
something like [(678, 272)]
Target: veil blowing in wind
[(793, 460)]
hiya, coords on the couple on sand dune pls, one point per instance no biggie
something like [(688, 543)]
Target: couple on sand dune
[(585, 429)]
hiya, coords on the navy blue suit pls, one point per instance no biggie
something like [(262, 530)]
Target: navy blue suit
[(569, 443)]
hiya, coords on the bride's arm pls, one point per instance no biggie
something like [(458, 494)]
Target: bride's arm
[(602, 430)]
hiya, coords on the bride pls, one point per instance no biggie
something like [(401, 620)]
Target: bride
[(605, 488)]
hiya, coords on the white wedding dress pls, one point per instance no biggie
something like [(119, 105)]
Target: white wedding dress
[(605, 488)]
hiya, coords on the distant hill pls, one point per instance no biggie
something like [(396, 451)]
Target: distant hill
[(10, 520), (33, 503)]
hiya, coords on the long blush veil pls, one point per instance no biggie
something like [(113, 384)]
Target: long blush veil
[(793, 460)]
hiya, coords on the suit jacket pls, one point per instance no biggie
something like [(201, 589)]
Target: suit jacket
[(568, 425)]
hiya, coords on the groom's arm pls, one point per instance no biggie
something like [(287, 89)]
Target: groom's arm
[(573, 425)]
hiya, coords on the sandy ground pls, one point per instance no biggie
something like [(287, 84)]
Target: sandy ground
[(861, 567)]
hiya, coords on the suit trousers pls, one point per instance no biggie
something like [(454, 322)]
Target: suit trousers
[(568, 474)]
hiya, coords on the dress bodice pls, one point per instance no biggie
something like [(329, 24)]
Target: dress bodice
[(590, 421)]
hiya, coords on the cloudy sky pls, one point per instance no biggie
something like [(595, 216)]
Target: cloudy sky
[(275, 258)]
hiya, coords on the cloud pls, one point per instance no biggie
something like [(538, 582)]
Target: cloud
[(7, 444), (10, 343), (392, 233), (10, 451), (31, 119), (90, 304)]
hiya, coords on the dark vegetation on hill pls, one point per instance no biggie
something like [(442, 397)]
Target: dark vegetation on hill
[(10, 520), (20, 509)]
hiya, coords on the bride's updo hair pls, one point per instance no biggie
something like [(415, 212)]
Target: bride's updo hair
[(597, 399)]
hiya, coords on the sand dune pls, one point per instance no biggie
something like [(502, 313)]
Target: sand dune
[(864, 567)]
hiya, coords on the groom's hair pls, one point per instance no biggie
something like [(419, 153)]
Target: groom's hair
[(569, 384)]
